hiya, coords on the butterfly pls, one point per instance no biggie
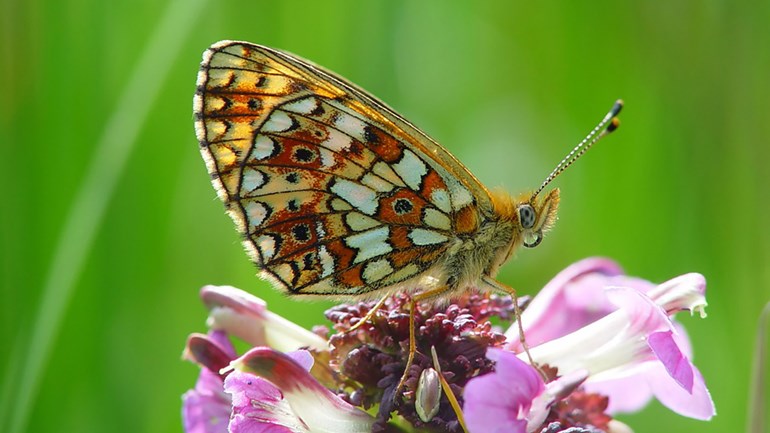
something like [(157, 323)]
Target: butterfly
[(337, 195)]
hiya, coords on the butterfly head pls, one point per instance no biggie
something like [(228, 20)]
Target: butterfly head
[(521, 221), (536, 216)]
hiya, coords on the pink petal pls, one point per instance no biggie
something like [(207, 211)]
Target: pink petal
[(696, 404), (609, 346), (627, 394), (233, 298), (677, 365), (310, 402), (245, 316), (572, 299), (671, 378), (206, 409), (303, 358), (685, 292), (206, 352), (258, 406), (500, 401)]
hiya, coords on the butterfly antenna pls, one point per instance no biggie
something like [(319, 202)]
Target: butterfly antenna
[(609, 123)]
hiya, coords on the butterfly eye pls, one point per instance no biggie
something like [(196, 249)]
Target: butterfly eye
[(527, 216), (533, 239)]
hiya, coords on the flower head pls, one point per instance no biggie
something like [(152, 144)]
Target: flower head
[(602, 343), (264, 390), (617, 333), (621, 329), (501, 401), (373, 356), (206, 408)]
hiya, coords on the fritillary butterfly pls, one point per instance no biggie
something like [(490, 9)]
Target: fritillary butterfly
[(337, 195)]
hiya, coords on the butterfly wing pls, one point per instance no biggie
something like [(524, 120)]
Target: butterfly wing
[(334, 193)]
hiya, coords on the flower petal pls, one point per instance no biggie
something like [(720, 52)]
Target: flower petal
[(206, 408), (258, 406), (611, 344), (311, 404), (677, 365), (554, 390), (695, 404), (627, 394), (685, 292), (245, 316), (206, 352), (572, 299), (501, 401)]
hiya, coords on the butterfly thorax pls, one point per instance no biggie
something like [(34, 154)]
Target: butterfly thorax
[(501, 230), (481, 253)]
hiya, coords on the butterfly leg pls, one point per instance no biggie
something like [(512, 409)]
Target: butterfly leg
[(369, 314), (413, 332), (500, 287)]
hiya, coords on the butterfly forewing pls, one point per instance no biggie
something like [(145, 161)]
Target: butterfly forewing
[(334, 193)]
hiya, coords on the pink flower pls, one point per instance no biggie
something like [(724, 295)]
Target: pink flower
[(206, 408), (603, 343), (592, 317), (263, 391), (501, 401), (246, 317), (272, 392)]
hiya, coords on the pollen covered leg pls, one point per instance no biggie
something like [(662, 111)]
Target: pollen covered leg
[(500, 287), (369, 314), (413, 332)]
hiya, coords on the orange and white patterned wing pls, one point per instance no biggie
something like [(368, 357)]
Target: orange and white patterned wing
[(334, 193)]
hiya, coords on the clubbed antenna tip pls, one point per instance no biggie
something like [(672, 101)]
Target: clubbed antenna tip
[(608, 124)]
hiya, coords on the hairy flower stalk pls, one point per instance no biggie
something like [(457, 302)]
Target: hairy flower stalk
[(604, 343)]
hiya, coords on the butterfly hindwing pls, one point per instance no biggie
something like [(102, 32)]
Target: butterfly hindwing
[(334, 193)]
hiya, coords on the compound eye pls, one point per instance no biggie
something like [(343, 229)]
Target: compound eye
[(527, 216), (533, 239)]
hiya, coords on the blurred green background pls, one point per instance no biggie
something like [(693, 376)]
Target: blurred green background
[(110, 226)]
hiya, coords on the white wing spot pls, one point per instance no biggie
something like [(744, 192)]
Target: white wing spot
[(359, 222), (327, 157), (351, 125), (376, 183), (256, 213), (461, 197), (319, 230), (337, 141), (376, 270), (370, 244), (266, 245), (302, 106), (252, 179), (437, 219), (426, 237), (411, 169), (327, 262), (440, 197), (279, 121), (264, 146), (359, 196)]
